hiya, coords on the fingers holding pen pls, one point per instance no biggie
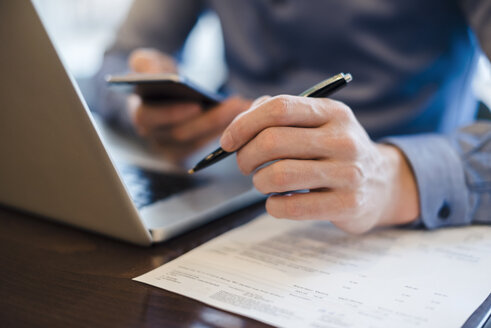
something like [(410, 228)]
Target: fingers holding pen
[(279, 143), (276, 143), (344, 209), (280, 111), (318, 145), (315, 145), (293, 174), (321, 205)]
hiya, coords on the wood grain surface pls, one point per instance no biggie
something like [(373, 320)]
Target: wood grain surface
[(57, 276)]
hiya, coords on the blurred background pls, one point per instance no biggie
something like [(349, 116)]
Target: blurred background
[(83, 29)]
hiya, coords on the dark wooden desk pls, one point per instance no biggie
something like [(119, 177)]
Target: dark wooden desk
[(55, 276)]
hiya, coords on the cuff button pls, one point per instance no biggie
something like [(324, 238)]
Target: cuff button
[(444, 211)]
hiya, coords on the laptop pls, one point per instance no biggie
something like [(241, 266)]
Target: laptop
[(55, 163)]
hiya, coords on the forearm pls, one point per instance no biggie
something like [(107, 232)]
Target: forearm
[(160, 24)]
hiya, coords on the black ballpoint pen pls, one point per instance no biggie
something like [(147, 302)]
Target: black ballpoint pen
[(320, 90)]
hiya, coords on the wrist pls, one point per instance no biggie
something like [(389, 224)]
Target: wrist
[(403, 198)]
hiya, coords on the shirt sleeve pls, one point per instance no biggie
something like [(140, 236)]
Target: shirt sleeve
[(453, 175), (159, 24)]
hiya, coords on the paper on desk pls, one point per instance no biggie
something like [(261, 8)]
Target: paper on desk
[(310, 274)]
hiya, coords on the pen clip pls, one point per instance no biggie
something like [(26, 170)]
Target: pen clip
[(324, 88)]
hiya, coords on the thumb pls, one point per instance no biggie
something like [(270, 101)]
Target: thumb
[(151, 61)]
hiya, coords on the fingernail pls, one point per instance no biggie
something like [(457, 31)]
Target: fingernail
[(226, 141)]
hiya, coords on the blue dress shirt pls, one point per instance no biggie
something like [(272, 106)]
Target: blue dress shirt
[(412, 63)]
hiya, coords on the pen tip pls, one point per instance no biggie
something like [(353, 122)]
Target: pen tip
[(191, 171)]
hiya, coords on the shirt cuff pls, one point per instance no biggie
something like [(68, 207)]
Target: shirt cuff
[(440, 179)]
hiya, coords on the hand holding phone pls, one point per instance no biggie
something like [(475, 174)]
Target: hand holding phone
[(172, 113)]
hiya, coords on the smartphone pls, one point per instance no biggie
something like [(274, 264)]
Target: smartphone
[(165, 87)]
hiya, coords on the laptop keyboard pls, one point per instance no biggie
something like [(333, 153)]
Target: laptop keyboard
[(147, 186)]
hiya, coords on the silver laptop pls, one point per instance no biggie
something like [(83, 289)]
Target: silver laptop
[(54, 162)]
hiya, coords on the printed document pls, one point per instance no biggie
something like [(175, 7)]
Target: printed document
[(311, 274)]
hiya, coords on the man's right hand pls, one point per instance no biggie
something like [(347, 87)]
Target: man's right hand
[(177, 128)]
